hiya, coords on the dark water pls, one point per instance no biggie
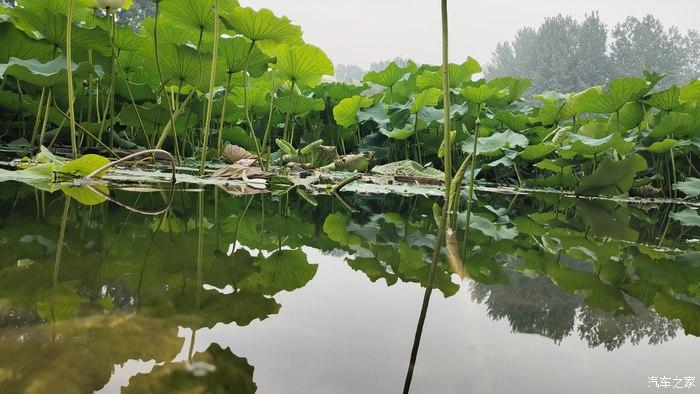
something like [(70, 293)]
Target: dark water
[(561, 296)]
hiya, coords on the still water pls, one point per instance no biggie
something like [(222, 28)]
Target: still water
[(273, 294)]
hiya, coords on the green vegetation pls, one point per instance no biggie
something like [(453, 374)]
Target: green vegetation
[(205, 73)]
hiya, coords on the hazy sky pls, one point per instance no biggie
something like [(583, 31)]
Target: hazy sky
[(362, 31)]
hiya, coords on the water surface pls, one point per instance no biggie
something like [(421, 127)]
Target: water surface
[(562, 295)]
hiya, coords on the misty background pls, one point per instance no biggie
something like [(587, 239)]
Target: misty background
[(561, 46)]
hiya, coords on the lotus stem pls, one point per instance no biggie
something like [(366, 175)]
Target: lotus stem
[(69, 77), (472, 177), (212, 81), (448, 184), (133, 156), (37, 121)]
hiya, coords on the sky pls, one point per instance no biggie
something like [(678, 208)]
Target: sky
[(363, 31)]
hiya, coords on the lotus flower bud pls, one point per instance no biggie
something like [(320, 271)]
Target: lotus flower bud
[(111, 4)]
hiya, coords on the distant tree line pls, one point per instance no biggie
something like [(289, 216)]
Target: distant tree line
[(566, 55)]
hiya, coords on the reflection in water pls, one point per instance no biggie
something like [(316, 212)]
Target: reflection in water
[(121, 299)]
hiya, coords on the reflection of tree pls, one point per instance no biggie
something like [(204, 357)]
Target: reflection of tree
[(538, 306), (531, 305), (602, 329)]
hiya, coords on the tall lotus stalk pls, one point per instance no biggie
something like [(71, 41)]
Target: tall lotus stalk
[(69, 77), (110, 6), (446, 208), (212, 81), (472, 176)]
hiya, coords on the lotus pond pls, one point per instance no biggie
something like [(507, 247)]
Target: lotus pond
[(276, 294), (191, 205)]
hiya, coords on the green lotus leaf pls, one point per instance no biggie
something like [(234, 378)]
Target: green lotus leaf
[(431, 115), (671, 123), (337, 91), (282, 270), (588, 146), (536, 152), (303, 64), (194, 15), (84, 165), (687, 217), (479, 94), (168, 33), (125, 38), (663, 146), (495, 142), (665, 100), (687, 312), (86, 195), (612, 177), (594, 129), (182, 66), (407, 168), (41, 74), (597, 294), (234, 56), (556, 107), (631, 115), (229, 373), (17, 44), (47, 18), (257, 96), (557, 166), (690, 92), (387, 77), (620, 92), (459, 74), (494, 230), (606, 219), (336, 227), (516, 122), (299, 105), (691, 187), (398, 134), (515, 88), (413, 267), (153, 116), (427, 98), (262, 25), (345, 113)]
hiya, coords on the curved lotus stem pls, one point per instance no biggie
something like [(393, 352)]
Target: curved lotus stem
[(136, 210), (133, 156)]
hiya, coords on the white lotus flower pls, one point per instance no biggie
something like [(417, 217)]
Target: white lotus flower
[(111, 4)]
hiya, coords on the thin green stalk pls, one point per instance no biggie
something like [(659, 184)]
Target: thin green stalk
[(245, 101), (267, 141), (222, 119), (46, 118), (445, 212), (37, 121), (69, 77), (212, 81), (472, 177)]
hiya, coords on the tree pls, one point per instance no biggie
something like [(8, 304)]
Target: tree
[(349, 73), (562, 54), (569, 56), (640, 45)]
